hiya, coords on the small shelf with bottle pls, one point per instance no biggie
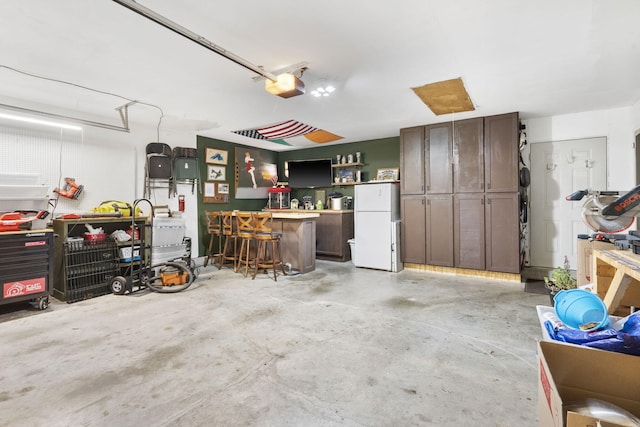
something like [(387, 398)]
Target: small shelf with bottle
[(347, 175), (344, 184), (348, 165)]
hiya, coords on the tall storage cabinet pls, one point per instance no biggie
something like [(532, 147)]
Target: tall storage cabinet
[(467, 214)]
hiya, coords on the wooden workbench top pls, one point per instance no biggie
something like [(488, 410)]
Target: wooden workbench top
[(622, 268)]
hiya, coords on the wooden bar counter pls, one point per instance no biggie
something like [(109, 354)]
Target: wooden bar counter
[(298, 240), (333, 230)]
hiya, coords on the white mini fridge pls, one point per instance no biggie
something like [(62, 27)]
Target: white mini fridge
[(377, 226)]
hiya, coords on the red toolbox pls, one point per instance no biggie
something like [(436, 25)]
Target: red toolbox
[(26, 266)]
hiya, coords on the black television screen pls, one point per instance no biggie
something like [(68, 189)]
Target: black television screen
[(310, 173)]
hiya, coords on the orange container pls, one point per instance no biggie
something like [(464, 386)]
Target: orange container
[(174, 278)]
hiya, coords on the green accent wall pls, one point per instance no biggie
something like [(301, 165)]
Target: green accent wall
[(376, 154)]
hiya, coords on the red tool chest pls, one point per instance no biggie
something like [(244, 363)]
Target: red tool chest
[(26, 266)]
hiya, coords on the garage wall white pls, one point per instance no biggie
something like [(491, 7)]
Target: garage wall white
[(109, 164), (137, 140), (617, 125)]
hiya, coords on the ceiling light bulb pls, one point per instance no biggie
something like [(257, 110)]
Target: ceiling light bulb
[(330, 89)]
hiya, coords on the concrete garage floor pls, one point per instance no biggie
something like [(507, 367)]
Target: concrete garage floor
[(341, 346)]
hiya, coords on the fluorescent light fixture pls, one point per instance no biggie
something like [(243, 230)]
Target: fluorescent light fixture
[(39, 122), (122, 110), (285, 86)]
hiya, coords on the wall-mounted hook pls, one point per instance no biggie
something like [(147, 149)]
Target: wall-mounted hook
[(589, 163), (551, 166), (570, 159)]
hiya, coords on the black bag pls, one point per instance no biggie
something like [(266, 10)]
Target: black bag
[(158, 149), (191, 153)]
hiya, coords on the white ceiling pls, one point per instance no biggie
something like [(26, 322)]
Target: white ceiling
[(540, 58)]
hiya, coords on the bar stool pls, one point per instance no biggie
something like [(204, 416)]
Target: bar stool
[(229, 231), (269, 253), (214, 227), (245, 231)]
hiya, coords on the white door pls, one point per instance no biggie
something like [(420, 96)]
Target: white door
[(557, 170)]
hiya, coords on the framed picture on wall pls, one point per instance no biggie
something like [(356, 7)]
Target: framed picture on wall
[(387, 174), (216, 157), (255, 172), (223, 188), (216, 173), (216, 192)]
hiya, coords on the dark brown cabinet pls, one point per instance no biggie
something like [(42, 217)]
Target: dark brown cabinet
[(502, 148), (413, 224), (333, 230), (468, 156), (469, 231), (439, 230), (438, 159), (503, 232), (412, 160), (469, 215)]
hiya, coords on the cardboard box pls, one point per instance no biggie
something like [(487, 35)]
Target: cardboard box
[(584, 274), (568, 373), (579, 420)]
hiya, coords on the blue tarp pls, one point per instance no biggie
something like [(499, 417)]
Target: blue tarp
[(626, 340)]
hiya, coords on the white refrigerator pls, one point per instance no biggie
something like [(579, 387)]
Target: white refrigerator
[(377, 226)]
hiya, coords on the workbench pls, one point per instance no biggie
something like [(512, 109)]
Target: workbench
[(616, 279)]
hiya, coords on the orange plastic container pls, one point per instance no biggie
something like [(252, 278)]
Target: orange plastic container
[(174, 278)]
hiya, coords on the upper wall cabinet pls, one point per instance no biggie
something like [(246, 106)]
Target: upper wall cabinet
[(438, 159), (468, 156), (501, 153), (412, 160)]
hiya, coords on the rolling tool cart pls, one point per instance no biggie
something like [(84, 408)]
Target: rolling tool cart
[(85, 263), (166, 277), (26, 266)]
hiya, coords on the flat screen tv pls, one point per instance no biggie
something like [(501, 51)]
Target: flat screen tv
[(310, 173)]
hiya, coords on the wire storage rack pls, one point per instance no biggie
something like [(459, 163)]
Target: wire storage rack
[(89, 268)]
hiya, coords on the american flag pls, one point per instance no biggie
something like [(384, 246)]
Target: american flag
[(251, 133), (287, 129)]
